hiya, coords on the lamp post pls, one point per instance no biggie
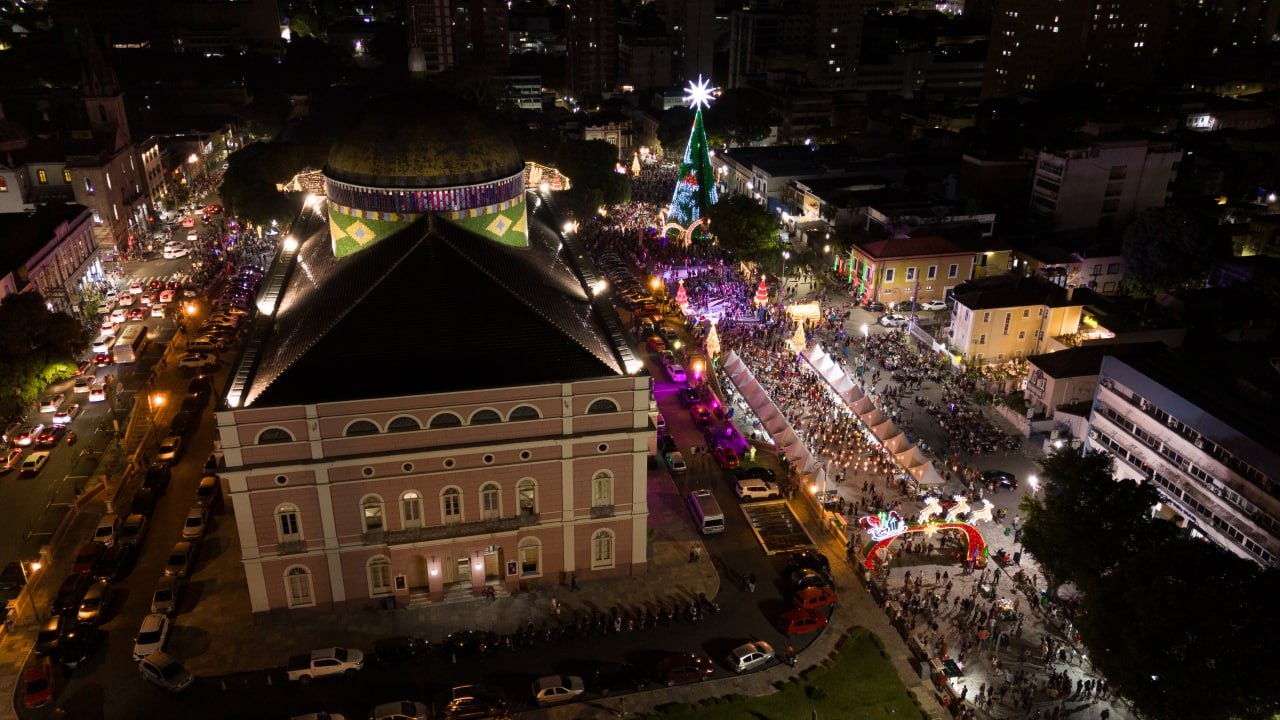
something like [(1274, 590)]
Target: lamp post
[(786, 255), (28, 572), (155, 401)]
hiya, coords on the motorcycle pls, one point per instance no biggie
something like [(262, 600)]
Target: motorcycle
[(71, 437)]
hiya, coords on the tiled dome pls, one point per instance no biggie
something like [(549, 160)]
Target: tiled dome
[(403, 143)]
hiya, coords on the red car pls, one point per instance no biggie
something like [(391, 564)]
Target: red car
[(684, 667), (814, 598), (88, 556), (727, 458), (40, 684), (102, 359), (700, 414), (656, 343), (800, 622)]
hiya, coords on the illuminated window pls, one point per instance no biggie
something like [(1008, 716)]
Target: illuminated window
[(42, 177), (4, 185), (66, 175), (371, 513), (411, 509)]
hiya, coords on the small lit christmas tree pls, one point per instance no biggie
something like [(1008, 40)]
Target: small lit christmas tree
[(798, 341), (696, 188), (713, 342)]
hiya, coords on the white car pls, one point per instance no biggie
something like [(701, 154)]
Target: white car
[(64, 417), (125, 300), (676, 373), (893, 320), (151, 636), (161, 669), (196, 524), (757, 490), (400, 710), (169, 450), (157, 311), (136, 289), (97, 393), (750, 656), (197, 360), (166, 295), (933, 305), (174, 253), (119, 315), (51, 404), (34, 463), (557, 689)]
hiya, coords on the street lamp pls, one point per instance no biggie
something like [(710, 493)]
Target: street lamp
[(155, 401), (28, 571), (786, 255)]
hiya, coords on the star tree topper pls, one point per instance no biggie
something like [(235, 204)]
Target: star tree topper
[(699, 93)]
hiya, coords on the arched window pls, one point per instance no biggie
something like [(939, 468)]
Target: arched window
[(490, 501), (451, 506), (602, 489), (297, 584), (527, 495), (602, 549), (445, 420), (411, 509), (602, 406), (371, 513), (379, 572), (361, 427), (404, 423), (287, 522), (484, 417), (273, 435), (530, 553), (524, 412)]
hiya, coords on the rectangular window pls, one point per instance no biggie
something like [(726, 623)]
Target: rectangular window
[(953, 270), (1026, 313), (888, 275), (911, 274), (1113, 268), (986, 317), (529, 560), (66, 175), (289, 526), (380, 578), (4, 185), (1097, 270), (1022, 334), (42, 177), (1008, 317), (982, 340), (933, 273)]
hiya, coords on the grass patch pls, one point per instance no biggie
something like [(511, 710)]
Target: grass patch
[(858, 683)]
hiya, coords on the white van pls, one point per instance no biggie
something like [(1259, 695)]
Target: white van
[(103, 344), (660, 422), (676, 462), (707, 516)]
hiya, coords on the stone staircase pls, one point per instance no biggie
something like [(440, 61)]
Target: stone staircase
[(455, 593)]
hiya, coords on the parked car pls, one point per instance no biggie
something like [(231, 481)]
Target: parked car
[(79, 644), (132, 530), (49, 639), (66, 601), (117, 563), (933, 305), (874, 306), (616, 677), (1001, 478), (810, 559), (162, 669), (755, 473), (805, 578), (756, 490), (893, 320), (165, 598), (469, 643), (169, 450), (96, 600), (196, 524), (473, 702), (814, 598), (554, 689), (209, 493), (688, 397), (726, 458), (151, 635), (87, 557), (750, 656), (181, 558), (400, 710), (400, 648), (39, 684), (683, 667), (800, 621), (108, 528)]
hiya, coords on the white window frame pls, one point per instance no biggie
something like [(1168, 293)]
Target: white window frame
[(378, 573), (530, 484), (411, 509), (294, 516), (953, 270), (299, 591), (602, 488), (490, 491), (368, 502), (933, 273), (534, 545), (602, 549), (911, 274), (451, 493), (888, 275)]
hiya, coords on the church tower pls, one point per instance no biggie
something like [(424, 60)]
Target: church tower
[(100, 88)]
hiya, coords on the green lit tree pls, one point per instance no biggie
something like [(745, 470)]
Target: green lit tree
[(696, 187)]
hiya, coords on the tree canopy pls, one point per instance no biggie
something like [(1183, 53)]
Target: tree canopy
[(1177, 625), (589, 164), (744, 227), (40, 347), (739, 117), (1168, 248), (249, 184)]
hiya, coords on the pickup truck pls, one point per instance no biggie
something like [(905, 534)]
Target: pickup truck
[(323, 663)]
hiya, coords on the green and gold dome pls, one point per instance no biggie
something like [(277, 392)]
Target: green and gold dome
[(407, 158)]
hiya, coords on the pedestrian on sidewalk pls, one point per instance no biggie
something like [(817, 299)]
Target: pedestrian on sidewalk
[(791, 656), (573, 582)]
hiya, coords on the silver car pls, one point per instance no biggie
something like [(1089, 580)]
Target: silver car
[(745, 658), (162, 669), (165, 598)]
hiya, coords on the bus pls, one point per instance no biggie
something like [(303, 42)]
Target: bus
[(706, 513), (130, 344)]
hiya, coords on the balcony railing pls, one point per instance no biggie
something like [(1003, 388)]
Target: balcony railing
[(291, 547), (601, 511), (440, 532)]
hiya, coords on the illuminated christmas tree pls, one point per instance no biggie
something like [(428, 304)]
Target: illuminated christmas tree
[(696, 187)]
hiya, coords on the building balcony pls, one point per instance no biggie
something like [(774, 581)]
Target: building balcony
[(291, 547), (601, 511), (452, 530)]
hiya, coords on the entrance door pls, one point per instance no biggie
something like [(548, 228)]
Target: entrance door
[(493, 563), (418, 572), (464, 569)]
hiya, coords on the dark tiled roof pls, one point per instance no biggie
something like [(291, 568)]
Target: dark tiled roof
[(1087, 360), (429, 310), (1003, 291), (908, 247)]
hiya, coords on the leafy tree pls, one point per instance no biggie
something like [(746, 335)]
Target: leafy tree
[(744, 227), (589, 164), (1186, 631), (40, 347), (1087, 523), (1167, 248), (249, 184)]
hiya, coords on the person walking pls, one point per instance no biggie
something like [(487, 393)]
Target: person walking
[(791, 656)]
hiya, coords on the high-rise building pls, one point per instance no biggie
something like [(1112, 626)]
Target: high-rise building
[(820, 39), (593, 47), (1037, 45), (693, 23), (466, 34)]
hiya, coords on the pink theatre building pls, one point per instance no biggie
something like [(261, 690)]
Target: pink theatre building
[(432, 403)]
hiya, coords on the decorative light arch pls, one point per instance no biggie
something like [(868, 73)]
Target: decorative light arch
[(884, 528)]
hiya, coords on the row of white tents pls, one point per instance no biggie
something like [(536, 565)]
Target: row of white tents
[(907, 454)]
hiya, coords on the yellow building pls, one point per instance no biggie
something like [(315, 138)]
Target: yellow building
[(899, 269), (1006, 317)]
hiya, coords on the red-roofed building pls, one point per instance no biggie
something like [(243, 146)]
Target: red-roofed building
[(894, 270)]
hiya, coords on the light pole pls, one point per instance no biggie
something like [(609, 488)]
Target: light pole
[(155, 401), (786, 255), (28, 572)]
